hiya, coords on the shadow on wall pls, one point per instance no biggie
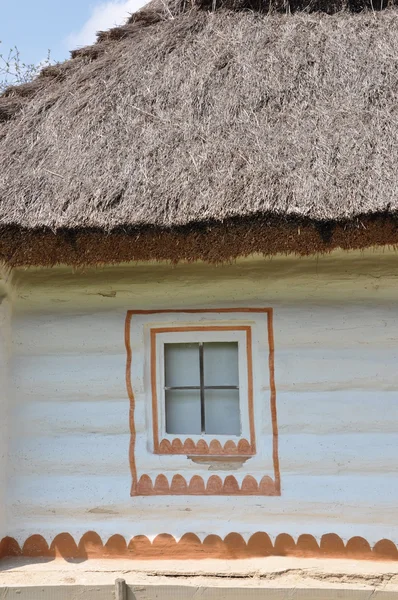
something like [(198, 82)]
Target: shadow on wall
[(164, 546)]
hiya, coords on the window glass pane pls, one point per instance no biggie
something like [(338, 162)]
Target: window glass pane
[(222, 413), (181, 363), (220, 363), (183, 411)]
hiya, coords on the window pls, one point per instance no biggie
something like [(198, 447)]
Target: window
[(202, 388), (202, 392)]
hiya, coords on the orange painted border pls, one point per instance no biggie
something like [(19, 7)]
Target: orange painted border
[(189, 546), (274, 417), (133, 434), (201, 448), (127, 336)]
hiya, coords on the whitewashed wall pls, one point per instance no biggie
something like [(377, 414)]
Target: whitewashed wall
[(5, 340), (336, 357)]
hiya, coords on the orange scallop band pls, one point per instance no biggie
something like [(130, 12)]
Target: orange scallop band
[(189, 546), (215, 486), (202, 448)]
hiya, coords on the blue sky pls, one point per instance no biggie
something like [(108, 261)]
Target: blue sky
[(35, 26)]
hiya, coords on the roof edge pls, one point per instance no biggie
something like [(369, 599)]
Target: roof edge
[(211, 242)]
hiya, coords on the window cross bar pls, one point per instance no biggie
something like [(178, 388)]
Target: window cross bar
[(205, 387), (202, 389)]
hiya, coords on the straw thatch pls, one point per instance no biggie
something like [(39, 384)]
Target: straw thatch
[(185, 128)]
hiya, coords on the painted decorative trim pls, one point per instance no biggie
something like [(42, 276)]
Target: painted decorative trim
[(127, 334), (176, 446), (215, 486), (201, 444), (164, 546)]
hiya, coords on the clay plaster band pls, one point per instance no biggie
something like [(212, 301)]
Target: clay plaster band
[(271, 351), (189, 546)]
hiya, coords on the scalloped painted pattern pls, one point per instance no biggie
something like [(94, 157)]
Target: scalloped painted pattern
[(165, 546), (215, 486), (230, 448)]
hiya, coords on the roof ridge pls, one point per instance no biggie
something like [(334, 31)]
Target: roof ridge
[(14, 98)]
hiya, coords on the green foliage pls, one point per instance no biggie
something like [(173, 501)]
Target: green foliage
[(14, 71)]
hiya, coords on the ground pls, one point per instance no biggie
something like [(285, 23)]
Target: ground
[(273, 573)]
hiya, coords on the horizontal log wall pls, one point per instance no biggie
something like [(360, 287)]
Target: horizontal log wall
[(336, 356), (5, 396)]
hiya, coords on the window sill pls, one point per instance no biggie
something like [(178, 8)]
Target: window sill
[(215, 463)]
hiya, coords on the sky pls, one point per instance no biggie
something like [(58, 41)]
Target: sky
[(36, 26)]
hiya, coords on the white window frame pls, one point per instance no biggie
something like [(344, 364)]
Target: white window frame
[(198, 337)]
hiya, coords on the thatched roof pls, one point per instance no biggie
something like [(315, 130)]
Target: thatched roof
[(190, 133)]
